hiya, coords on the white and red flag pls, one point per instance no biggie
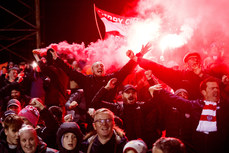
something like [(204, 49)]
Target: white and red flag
[(114, 24)]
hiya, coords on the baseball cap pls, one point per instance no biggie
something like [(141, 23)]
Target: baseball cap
[(7, 113), (13, 102), (14, 68), (129, 86)]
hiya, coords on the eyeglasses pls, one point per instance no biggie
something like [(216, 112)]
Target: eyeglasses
[(102, 121)]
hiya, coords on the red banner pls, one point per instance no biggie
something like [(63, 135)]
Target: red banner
[(115, 24)]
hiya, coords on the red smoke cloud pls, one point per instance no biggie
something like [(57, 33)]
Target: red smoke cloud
[(174, 28)]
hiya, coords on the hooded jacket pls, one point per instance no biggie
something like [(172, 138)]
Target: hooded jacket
[(65, 128)]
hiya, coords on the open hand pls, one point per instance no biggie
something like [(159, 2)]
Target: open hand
[(111, 83), (155, 88), (37, 102), (146, 48)]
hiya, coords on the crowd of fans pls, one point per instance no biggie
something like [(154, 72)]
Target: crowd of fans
[(56, 107)]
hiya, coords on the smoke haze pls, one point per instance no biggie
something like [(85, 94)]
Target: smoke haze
[(173, 27)]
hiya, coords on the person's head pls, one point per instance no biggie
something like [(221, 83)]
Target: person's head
[(12, 124), (15, 92), (98, 69), (13, 73), (5, 114), (168, 145), (104, 122), (192, 60), (4, 70), (208, 62), (10, 65), (15, 105), (30, 115), (22, 66), (210, 89), (135, 146), (181, 93), (28, 139), (129, 94), (43, 59), (57, 112), (69, 137)]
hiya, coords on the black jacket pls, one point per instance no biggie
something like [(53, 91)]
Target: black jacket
[(56, 90), (140, 120), (176, 79), (114, 145), (48, 132), (200, 142), (90, 83)]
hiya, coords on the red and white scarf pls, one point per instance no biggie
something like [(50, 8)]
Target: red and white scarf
[(207, 121)]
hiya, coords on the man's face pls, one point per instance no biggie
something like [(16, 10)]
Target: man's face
[(98, 69), (104, 124), (28, 140), (69, 141), (193, 62), (212, 92), (15, 94), (183, 95), (129, 96), (12, 136), (13, 74), (14, 108), (156, 150)]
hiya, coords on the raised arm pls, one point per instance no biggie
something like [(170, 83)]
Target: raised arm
[(36, 53), (145, 48), (97, 101)]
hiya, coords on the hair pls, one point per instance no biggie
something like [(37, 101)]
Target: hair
[(170, 145), (128, 149), (203, 84), (103, 110), (14, 121)]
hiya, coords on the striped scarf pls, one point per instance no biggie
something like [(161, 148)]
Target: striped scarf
[(207, 122)]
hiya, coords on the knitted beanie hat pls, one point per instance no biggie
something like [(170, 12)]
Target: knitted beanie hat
[(31, 113)]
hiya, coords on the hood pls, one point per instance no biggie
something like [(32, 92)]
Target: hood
[(69, 127)]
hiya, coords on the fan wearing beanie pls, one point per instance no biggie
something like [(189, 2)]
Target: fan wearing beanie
[(30, 115), (135, 146)]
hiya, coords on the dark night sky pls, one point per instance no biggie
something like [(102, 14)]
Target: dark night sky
[(70, 20), (73, 20)]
